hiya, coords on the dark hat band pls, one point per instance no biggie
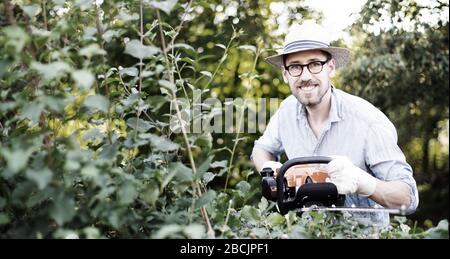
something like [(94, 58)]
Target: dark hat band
[(304, 44)]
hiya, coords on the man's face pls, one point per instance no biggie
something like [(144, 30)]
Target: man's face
[(309, 88)]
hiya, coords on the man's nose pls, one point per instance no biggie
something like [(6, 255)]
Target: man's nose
[(305, 76)]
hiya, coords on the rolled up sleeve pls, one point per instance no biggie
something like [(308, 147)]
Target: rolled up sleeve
[(386, 160), (270, 141)]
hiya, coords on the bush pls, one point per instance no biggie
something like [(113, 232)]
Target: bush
[(86, 149)]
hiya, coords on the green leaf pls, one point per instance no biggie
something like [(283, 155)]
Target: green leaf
[(194, 231), (206, 198), (109, 152), (221, 46), (171, 33), (161, 143), (184, 173), (219, 164), (127, 194), (17, 37), (89, 33), (204, 141), (40, 32), (139, 125), (90, 172), (190, 61), (97, 102), (167, 178), (41, 177), (136, 49), (438, 232), (246, 173), (39, 197), (248, 47), (56, 104), (16, 159), (188, 48), (92, 50), (4, 66), (32, 111), (275, 219), (206, 73), (51, 70), (4, 219), (167, 231), (208, 177), (243, 186), (201, 170), (92, 134), (83, 78), (251, 214), (165, 6), (92, 232), (59, 2), (71, 165), (31, 10), (125, 16), (260, 232), (109, 34), (151, 193), (66, 234), (129, 71), (263, 204), (168, 85), (131, 99), (63, 209), (84, 4)]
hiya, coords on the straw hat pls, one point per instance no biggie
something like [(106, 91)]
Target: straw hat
[(309, 36)]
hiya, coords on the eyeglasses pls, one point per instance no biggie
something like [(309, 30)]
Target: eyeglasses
[(314, 67)]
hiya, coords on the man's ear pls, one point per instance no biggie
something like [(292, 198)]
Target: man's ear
[(284, 73), (332, 68)]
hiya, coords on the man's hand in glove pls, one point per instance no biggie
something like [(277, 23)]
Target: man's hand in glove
[(349, 178)]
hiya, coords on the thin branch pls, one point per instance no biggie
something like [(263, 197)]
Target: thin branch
[(9, 12), (98, 25), (225, 223), (183, 18), (124, 85), (44, 12), (241, 117), (196, 187), (141, 16), (219, 65)]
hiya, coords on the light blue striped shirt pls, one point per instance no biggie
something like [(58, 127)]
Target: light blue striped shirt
[(356, 129)]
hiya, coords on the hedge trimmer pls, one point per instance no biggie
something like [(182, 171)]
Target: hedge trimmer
[(299, 185)]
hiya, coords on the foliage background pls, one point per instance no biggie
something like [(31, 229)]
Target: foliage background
[(86, 89)]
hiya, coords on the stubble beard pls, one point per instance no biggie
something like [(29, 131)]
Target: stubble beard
[(307, 102)]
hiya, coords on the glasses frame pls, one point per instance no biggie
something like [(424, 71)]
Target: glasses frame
[(307, 66)]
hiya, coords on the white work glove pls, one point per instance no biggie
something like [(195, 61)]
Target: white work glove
[(274, 165), (349, 178)]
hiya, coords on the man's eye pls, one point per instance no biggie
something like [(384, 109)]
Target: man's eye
[(294, 67), (315, 64)]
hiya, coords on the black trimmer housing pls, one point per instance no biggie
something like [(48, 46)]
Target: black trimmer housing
[(275, 187)]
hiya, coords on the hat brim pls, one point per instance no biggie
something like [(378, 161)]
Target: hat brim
[(340, 55)]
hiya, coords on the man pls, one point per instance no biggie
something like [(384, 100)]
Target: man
[(320, 120)]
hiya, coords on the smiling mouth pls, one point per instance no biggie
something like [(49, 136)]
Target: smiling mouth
[(308, 87)]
